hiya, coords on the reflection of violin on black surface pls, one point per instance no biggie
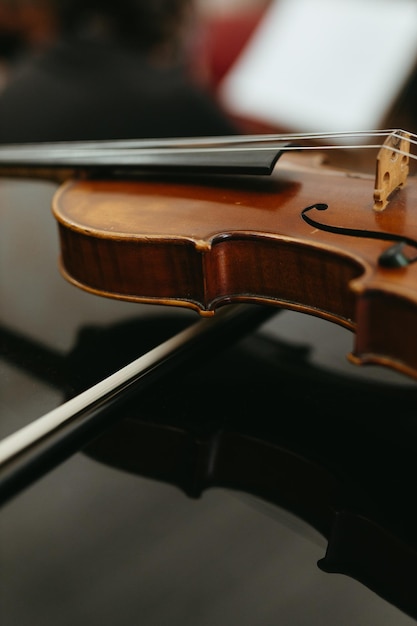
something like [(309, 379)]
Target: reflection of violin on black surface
[(330, 454)]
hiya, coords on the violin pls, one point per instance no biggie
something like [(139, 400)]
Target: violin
[(202, 223)]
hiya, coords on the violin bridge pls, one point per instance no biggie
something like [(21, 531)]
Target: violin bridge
[(392, 165)]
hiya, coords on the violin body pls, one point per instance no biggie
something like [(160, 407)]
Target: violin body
[(202, 243)]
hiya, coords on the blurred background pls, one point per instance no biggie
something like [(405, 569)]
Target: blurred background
[(273, 65)]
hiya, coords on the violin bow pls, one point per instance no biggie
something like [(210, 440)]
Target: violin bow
[(50, 439)]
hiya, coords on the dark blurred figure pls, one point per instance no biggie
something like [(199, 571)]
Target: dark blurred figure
[(111, 69), (24, 24)]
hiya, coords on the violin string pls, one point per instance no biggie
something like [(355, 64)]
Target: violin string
[(193, 141), (131, 155), (129, 149)]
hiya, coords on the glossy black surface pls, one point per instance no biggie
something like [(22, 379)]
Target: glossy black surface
[(222, 486)]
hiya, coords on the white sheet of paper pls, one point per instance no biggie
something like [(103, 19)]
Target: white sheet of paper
[(324, 65)]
